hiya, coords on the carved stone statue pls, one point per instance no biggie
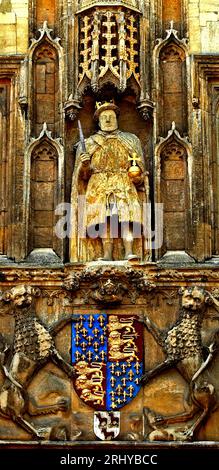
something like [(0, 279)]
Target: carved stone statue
[(32, 348), (184, 349), (110, 174)]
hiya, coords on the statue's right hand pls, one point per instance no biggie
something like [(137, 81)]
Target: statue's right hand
[(85, 159)]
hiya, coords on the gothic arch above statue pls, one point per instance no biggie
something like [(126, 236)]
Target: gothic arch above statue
[(109, 194)]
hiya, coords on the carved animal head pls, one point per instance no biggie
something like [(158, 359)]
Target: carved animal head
[(113, 319), (114, 335), (81, 381), (194, 299), (21, 296), (81, 366), (109, 287)]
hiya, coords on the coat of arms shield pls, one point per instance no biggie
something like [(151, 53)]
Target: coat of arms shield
[(107, 353)]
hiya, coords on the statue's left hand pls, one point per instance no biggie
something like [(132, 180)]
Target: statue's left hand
[(136, 179), (85, 159)]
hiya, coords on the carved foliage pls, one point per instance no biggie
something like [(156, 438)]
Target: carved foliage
[(109, 286)]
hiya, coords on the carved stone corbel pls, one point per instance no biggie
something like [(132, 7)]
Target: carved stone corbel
[(146, 108), (71, 108)]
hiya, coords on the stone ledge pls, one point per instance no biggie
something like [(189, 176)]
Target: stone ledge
[(111, 444)]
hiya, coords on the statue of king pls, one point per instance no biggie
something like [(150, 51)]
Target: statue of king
[(109, 187)]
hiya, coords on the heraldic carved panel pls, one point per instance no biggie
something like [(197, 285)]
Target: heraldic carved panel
[(100, 374), (107, 355)]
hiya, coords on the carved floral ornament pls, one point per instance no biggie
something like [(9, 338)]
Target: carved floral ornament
[(108, 286), (43, 277)]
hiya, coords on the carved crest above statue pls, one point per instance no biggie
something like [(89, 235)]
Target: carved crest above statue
[(110, 41), (107, 48)]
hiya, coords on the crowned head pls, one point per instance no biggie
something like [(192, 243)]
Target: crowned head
[(104, 106), (106, 113)]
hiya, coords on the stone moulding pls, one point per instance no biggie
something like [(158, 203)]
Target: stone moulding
[(45, 276), (86, 4), (45, 31), (172, 34)]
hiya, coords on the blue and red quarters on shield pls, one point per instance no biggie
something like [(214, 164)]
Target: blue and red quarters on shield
[(107, 353)]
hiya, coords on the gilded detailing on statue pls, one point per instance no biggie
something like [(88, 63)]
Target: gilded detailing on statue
[(109, 180), (108, 48), (107, 356), (109, 183)]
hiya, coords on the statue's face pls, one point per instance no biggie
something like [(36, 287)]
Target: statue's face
[(108, 120), (193, 299)]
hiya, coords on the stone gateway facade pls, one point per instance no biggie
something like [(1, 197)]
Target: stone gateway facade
[(109, 222)]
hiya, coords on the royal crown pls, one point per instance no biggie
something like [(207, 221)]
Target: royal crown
[(103, 106), (99, 104)]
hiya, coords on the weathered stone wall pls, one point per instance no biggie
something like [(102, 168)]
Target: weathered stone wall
[(13, 27), (203, 18)]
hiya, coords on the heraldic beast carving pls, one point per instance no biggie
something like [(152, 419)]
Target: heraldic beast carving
[(32, 348), (184, 350)]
